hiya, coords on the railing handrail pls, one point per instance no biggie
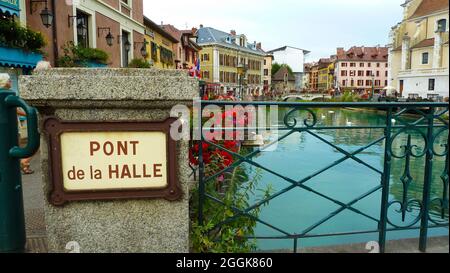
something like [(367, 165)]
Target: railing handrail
[(330, 104)]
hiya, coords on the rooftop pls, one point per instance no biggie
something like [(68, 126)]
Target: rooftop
[(209, 35), (428, 7), (362, 53)]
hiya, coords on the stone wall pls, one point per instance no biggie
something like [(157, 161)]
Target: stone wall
[(113, 95)]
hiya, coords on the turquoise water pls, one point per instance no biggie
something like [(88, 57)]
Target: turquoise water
[(300, 155)]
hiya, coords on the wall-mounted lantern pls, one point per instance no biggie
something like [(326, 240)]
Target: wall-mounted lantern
[(46, 15), (144, 52), (109, 37)]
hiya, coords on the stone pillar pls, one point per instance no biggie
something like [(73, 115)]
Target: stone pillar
[(405, 53), (437, 57), (139, 225)]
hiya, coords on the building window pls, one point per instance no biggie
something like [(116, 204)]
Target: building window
[(266, 72), (361, 64), (378, 73), (425, 56), (378, 64), (385, 83), (368, 73), (83, 29), (344, 83), (344, 64), (431, 84), (352, 64), (377, 83), (344, 73), (360, 73), (352, 73), (368, 82), (442, 25), (360, 83), (353, 83), (265, 62), (385, 73), (369, 65)]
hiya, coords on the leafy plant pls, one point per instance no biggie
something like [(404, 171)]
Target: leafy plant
[(276, 67), (139, 63), (235, 189), (78, 56), (12, 34)]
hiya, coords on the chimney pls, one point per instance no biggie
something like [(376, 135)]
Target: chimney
[(233, 32), (259, 46), (194, 30), (201, 26)]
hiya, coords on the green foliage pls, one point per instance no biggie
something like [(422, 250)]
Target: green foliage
[(78, 56), (276, 67), (139, 63), (15, 36), (235, 190), (348, 96)]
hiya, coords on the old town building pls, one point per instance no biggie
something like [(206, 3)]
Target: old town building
[(229, 63), (160, 45), (419, 50), (114, 26), (16, 57), (267, 70), (283, 81), (326, 74), (314, 78), (294, 58), (186, 50), (362, 69)]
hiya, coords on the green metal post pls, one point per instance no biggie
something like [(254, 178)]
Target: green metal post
[(427, 183), (385, 183), (12, 219)]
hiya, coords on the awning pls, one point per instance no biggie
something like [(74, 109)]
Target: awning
[(12, 57), (10, 7)]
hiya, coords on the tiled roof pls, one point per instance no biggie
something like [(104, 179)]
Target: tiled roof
[(428, 7), (209, 35), (363, 54), (152, 25), (279, 76), (178, 34), (424, 43)]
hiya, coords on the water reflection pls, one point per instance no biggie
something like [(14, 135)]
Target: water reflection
[(302, 154)]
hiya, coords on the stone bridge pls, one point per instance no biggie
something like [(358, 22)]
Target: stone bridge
[(308, 97)]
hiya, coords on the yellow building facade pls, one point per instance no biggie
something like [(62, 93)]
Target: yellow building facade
[(229, 64), (326, 75), (418, 57), (160, 45)]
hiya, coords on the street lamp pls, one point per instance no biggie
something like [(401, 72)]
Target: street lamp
[(144, 52), (109, 37), (46, 15), (373, 86), (242, 70)]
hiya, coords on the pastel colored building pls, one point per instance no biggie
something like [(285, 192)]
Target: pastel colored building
[(88, 23), (295, 58), (361, 69), (160, 46), (419, 50), (187, 50), (230, 64)]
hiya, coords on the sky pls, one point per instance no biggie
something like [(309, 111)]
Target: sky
[(319, 26)]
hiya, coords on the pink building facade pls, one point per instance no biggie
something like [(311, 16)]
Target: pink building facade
[(362, 69)]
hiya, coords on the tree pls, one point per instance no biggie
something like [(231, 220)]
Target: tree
[(276, 67)]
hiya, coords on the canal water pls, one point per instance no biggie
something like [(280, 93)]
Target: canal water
[(300, 155)]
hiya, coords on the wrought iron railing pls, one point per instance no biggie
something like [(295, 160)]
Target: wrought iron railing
[(428, 121)]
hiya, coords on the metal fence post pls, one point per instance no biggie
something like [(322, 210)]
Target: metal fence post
[(427, 183), (385, 183), (12, 228), (201, 168)]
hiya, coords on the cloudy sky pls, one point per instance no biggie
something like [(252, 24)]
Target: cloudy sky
[(316, 25)]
